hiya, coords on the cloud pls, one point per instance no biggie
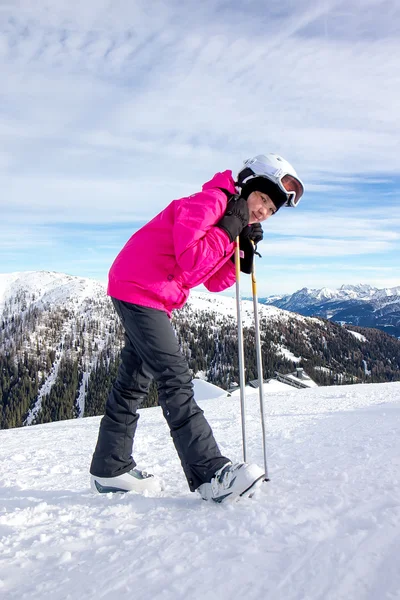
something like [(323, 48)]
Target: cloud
[(113, 109), (329, 224), (96, 200), (201, 88), (17, 239), (295, 247)]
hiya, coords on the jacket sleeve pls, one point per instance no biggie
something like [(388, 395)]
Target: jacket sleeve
[(222, 279), (197, 242)]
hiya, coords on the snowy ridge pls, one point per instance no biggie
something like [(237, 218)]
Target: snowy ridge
[(364, 292), (51, 288), (326, 527), (54, 289), (307, 296), (46, 287), (361, 305), (226, 307)]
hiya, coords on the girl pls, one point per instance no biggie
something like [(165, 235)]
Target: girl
[(191, 242)]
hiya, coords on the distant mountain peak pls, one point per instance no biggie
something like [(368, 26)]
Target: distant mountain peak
[(359, 304)]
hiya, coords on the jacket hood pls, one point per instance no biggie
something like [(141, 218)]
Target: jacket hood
[(221, 180)]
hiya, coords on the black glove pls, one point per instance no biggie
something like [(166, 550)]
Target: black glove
[(236, 217), (252, 233)]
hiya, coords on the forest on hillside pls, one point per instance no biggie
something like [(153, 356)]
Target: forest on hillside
[(68, 368)]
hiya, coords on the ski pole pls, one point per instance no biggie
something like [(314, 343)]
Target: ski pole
[(259, 364), (240, 349)]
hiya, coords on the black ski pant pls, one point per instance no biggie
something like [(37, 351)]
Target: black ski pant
[(152, 352)]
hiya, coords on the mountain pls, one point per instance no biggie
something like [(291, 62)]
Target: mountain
[(60, 342), (327, 525), (361, 305)]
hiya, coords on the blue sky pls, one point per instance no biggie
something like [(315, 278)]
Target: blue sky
[(110, 110)]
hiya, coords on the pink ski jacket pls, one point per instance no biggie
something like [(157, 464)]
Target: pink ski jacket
[(177, 250)]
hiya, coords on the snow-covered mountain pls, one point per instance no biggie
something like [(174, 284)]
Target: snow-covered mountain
[(49, 319), (46, 288), (60, 343), (326, 527), (360, 304)]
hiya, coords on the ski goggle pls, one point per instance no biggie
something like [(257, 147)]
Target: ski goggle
[(287, 182)]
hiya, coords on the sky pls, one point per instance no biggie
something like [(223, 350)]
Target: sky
[(111, 110)]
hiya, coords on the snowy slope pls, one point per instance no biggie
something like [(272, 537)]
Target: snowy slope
[(203, 390), (327, 526), (225, 306)]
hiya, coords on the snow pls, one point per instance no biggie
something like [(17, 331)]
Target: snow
[(272, 385), (287, 354), (326, 527), (226, 307), (203, 390), (305, 380), (323, 369), (325, 294), (333, 299), (357, 335), (45, 389), (388, 292), (366, 370), (50, 286)]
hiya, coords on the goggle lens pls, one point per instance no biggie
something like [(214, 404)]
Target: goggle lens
[(293, 186)]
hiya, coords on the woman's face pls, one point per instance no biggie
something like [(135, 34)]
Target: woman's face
[(260, 207)]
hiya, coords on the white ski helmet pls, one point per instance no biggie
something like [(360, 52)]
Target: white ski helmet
[(276, 169)]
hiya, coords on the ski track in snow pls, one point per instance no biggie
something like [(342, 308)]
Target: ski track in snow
[(327, 526)]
